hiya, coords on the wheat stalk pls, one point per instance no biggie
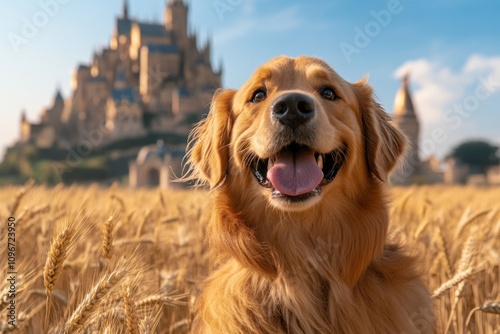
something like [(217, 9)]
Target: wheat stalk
[(464, 223), (107, 238), (421, 227), (491, 307), (441, 242), (120, 201), (162, 201), (163, 299), (459, 277), (89, 304), (54, 264), (146, 325), (487, 307), (19, 197), (143, 221), (130, 312), (466, 260)]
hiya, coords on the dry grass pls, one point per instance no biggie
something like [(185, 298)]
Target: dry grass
[(95, 260)]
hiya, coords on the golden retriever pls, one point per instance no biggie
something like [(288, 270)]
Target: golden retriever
[(298, 161)]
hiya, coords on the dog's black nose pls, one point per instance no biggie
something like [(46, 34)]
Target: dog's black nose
[(293, 109)]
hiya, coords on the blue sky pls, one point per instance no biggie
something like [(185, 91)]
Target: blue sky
[(451, 48)]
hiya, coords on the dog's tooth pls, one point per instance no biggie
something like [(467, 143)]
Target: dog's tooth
[(269, 163), (320, 161)]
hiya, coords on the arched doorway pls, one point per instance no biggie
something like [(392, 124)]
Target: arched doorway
[(153, 177)]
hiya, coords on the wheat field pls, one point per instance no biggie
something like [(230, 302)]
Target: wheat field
[(114, 260)]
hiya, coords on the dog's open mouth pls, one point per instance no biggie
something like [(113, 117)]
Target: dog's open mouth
[(297, 172)]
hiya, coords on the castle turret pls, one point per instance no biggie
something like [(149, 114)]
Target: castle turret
[(207, 51), (125, 10), (25, 128), (406, 120), (58, 98), (221, 68), (176, 15)]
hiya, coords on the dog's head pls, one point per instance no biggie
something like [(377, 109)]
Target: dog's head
[(293, 134)]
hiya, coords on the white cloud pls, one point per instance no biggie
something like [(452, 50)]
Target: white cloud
[(480, 64), (279, 22), (436, 87)]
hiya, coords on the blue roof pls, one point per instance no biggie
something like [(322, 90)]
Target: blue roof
[(124, 26), (152, 30), (129, 94), (158, 48)]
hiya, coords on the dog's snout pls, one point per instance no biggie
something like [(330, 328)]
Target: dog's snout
[(293, 109)]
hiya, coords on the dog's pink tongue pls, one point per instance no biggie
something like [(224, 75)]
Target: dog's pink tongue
[(295, 175)]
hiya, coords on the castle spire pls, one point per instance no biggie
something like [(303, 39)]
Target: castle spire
[(221, 66), (58, 96), (403, 105), (407, 121), (125, 10)]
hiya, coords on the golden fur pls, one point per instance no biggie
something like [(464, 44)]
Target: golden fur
[(322, 266)]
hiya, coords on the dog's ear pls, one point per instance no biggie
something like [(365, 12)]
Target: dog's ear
[(384, 144), (208, 156)]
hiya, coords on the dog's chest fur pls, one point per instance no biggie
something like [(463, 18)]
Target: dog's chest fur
[(302, 301)]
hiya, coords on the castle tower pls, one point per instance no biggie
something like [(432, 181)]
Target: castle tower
[(176, 15), (406, 120), (58, 98), (125, 10), (25, 128)]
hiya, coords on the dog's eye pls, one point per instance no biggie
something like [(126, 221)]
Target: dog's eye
[(328, 93), (259, 96)]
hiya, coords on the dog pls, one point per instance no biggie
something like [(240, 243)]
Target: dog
[(298, 161)]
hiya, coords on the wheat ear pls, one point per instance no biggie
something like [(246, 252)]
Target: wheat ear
[(54, 264), (487, 307), (17, 200), (455, 280), (145, 325), (421, 227), (89, 304), (465, 222), (130, 311), (491, 307), (441, 242), (120, 201), (107, 238), (466, 260), (141, 224)]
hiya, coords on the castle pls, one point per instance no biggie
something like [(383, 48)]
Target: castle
[(417, 171), (152, 78)]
